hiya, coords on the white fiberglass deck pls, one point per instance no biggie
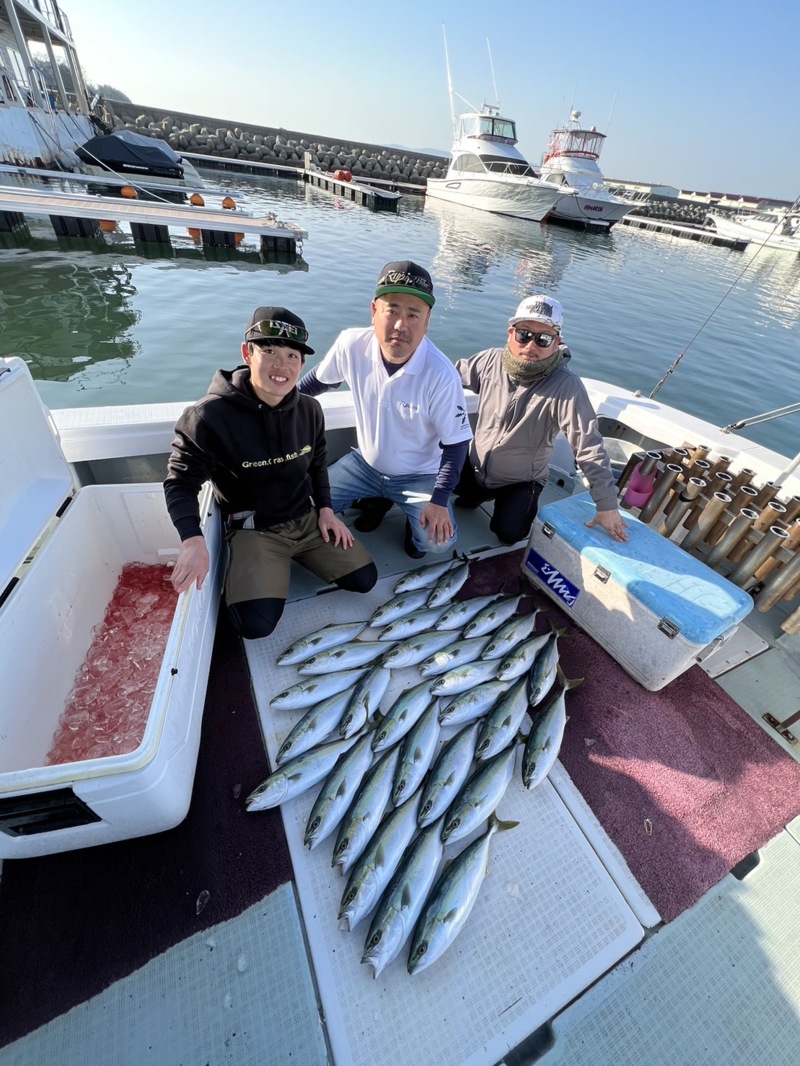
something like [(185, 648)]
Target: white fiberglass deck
[(548, 922)]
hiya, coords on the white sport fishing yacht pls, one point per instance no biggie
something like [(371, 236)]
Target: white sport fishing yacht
[(570, 160), (770, 227), (565, 957), (488, 172)]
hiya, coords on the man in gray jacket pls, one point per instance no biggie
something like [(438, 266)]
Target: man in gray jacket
[(526, 394)]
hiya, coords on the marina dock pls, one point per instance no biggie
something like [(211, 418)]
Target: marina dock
[(77, 215), (367, 195), (692, 233)]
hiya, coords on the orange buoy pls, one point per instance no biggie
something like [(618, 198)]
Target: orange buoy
[(193, 233), (238, 238), (196, 200), (107, 225), (338, 175), (129, 192), (229, 203), (346, 175)]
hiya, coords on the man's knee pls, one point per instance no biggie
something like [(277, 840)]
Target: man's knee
[(361, 580), (254, 619)]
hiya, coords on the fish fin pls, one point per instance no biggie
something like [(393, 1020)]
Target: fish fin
[(405, 897), (341, 790), (499, 824), (450, 916), (573, 682)]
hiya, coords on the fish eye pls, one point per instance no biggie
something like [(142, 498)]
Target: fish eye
[(351, 895), (400, 786), (343, 846), (426, 807), (421, 950), (314, 825), (375, 940)]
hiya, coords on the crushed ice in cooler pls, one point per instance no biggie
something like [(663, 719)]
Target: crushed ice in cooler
[(106, 711)]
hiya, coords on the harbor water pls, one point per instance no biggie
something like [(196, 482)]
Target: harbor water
[(114, 326)]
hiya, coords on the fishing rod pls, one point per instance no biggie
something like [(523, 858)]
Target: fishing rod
[(674, 366)]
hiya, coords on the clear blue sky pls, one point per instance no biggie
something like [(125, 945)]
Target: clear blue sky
[(701, 94)]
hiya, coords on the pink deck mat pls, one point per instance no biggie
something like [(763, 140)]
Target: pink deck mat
[(684, 782)]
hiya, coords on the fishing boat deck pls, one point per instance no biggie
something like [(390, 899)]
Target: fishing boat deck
[(280, 983)]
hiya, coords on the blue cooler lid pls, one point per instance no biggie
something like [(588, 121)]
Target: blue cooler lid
[(35, 478), (655, 571)]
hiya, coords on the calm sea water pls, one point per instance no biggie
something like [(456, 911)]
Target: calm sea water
[(118, 328)]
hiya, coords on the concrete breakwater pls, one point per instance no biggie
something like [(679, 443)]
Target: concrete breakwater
[(265, 144)]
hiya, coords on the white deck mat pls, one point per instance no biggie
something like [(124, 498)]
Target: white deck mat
[(719, 986), (548, 922)]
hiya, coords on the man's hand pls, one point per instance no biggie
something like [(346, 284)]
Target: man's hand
[(438, 522), (331, 526), (192, 564), (612, 522)]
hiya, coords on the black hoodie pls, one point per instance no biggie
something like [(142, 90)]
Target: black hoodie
[(271, 460)]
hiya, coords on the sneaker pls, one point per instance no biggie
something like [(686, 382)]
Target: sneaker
[(408, 543), (373, 511)]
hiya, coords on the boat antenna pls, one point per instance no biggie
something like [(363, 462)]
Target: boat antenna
[(449, 83), (491, 67), (611, 112)]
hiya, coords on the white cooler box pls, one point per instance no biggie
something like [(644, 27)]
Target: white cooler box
[(653, 607), (77, 546)]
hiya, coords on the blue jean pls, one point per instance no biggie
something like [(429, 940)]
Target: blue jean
[(353, 479)]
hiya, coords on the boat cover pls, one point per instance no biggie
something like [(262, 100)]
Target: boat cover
[(126, 150)]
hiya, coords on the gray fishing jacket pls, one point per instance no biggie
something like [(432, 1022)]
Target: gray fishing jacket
[(517, 425)]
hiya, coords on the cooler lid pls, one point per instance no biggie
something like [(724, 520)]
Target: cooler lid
[(35, 477)]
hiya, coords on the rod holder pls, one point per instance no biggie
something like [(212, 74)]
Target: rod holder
[(706, 519), (757, 556), (669, 476), (738, 528), (691, 490), (778, 582), (791, 543)]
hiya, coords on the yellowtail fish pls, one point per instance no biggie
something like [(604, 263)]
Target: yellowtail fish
[(479, 796), (457, 616), (463, 677), (416, 754), (399, 606), (366, 811), (507, 637), (424, 577), (542, 673), (297, 775), (456, 654), (473, 703), (311, 690), (412, 624), (521, 659), (344, 657), (546, 735), (373, 870), (328, 637), (337, 791), (490, 617), (402, 901), (412, 651), (452, 899), (446, 587), (448, 774), (365, 700), (501, 725), (401, 716), (314, 726)]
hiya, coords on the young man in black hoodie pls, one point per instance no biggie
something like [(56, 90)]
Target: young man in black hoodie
[(262, 445)]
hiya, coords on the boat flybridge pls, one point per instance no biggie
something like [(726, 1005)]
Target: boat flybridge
[(488, 172), (771, 227), (570, 160)]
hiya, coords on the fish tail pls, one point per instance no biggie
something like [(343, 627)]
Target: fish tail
[(499, 824)]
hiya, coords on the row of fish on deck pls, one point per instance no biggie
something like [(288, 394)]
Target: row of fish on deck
[(486, 659)]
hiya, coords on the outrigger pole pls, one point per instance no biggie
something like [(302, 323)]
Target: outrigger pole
[(449, 84)]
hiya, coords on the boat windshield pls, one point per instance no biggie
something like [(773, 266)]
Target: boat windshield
[(488, 127), (499, 165), (585, 143)]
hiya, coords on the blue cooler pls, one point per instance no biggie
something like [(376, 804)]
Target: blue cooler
[(653, 607)]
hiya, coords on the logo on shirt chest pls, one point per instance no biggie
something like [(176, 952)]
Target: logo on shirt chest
[(407, 410)]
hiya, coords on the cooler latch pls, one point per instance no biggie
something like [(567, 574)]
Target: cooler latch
[(548, 530), (669, 628), (602, 574)]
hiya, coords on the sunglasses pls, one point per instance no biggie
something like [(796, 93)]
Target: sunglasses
[(542, 340), (271, 328)]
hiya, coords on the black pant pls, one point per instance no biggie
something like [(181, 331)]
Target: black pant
[(515, 506)]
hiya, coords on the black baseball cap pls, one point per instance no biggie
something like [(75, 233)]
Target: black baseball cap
[(277, 323), (406, 277)]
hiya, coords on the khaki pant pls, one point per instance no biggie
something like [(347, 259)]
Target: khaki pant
[(259, 562)]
